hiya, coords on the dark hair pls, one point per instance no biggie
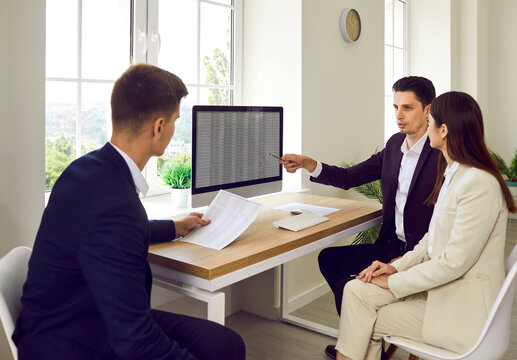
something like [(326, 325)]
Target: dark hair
[(144, 92), (465, 140), (422, 88)]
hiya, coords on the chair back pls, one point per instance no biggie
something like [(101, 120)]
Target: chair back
[(494, 339), (13, 272), (512, 259), (495, 336)]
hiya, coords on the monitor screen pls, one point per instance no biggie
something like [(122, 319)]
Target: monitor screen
[(231, 148)]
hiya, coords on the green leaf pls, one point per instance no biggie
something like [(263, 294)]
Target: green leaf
[(372, 190), (509, 171), (513, 168), (176, 173), (367, 237)]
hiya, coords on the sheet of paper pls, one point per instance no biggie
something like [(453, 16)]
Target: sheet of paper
[(318, 210), (230, 215)]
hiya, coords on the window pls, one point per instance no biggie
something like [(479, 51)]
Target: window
[(91, 42), (395, 56)]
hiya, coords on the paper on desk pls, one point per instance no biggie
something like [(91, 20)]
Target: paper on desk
[(318, 210), (230, 215)]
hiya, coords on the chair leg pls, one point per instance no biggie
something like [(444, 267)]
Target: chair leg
[(391, 350), (412, 357)]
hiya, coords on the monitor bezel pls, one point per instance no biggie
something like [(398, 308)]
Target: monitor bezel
[(228, 108)]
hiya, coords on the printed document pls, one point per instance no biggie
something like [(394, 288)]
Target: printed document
[(230, 216)]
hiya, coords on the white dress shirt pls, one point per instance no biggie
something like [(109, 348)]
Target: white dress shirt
[(139, 180), (407, 169), (449, 174)]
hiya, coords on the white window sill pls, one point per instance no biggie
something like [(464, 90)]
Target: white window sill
[(160, 207), (157, 207)]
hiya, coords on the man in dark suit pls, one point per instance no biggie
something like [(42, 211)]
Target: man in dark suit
[(407, 169), (87, 293)]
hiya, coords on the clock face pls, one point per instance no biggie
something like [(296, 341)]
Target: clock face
[(353, 24)]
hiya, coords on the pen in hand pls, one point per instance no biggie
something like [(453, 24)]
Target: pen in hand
[(278, 157)]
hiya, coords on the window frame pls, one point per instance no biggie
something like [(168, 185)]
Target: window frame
[(389, 125), (151, 170), (143, 22)]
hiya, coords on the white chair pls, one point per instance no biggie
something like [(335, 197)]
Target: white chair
[(495, 336), (13, 272)]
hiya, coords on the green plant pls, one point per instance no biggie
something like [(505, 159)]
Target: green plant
[(176, 173), (59, 153), (511, 170), (372, 190)]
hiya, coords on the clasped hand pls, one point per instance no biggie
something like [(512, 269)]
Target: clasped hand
[(377, 273)]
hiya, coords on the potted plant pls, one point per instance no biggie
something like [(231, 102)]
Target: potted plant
[(176, 174), (508, 171), (372, 190)]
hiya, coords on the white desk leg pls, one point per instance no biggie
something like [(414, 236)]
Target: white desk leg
[(214, 300), (216, 308)]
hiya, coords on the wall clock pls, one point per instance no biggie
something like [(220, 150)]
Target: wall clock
[(350, 25)]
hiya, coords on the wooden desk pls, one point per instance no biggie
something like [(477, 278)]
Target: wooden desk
[(199, 272)]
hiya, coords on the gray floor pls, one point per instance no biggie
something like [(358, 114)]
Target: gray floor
[(272, 340)]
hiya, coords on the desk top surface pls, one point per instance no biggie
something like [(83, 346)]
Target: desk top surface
[(262, 240)]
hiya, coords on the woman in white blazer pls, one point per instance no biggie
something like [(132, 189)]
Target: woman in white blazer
[(442, 291)]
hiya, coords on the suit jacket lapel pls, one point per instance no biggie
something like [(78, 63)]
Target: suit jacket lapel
[(395, 174), (426, 150)]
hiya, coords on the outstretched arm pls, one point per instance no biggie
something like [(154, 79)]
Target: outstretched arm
[(293, 162)]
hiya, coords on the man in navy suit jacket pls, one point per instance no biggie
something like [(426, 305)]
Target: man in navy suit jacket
[(407, 168), (87, 294)]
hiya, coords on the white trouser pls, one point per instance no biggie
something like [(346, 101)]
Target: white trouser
[(369, 312)]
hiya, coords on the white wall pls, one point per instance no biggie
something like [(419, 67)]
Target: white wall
[(430, 42), (22, 123), (464, 41), (469, 45), (501, 72), (343, 85), (22, 120), (272, 66)]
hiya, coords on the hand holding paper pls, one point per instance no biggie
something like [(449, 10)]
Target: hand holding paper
[(230, 216)]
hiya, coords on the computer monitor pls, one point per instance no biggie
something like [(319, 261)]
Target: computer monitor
[(231, 148)]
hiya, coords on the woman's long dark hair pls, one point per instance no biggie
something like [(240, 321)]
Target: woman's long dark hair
[(465, 140)]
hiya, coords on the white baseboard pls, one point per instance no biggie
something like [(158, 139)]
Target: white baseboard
[(305, 191), (307, 297)]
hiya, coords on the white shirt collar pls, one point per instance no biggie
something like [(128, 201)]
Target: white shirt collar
[(449, 172), (417, 148), (139, 180)]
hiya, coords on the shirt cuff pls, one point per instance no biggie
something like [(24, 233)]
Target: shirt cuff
[(316, 171)]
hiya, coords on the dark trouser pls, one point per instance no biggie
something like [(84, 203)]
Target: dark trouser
[(338, 263), (192, 338), (202, 338)]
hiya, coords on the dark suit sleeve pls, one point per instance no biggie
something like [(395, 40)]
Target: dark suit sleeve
[(112, 257), (161, 231), (362, 173)]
